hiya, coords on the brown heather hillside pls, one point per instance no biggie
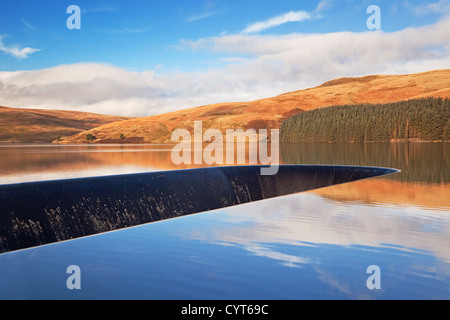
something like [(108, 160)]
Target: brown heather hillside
[(44, 126), (270, 113)]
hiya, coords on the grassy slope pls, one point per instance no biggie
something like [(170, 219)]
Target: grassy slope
[(44, 126)]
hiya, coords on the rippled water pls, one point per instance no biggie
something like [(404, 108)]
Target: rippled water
[(314, 245)]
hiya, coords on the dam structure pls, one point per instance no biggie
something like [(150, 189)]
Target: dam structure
[(39, 213)]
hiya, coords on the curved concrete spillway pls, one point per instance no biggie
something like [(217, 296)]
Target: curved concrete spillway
[(38, 213)]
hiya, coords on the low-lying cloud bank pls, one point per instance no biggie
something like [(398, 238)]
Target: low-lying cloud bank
[(259, 66)]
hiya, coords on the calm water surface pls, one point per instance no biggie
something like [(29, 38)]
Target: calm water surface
[(313, 245)]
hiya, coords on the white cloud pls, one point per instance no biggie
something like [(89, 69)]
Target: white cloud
[(15, 51), (28, 24), (210, 9), (261, 66), (291, 16), (323, 5), (441, 6), (202, 15)]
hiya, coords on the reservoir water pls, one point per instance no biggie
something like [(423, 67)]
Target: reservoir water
[(312, 245)]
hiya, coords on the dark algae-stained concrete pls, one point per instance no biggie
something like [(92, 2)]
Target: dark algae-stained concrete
[(38, 213)]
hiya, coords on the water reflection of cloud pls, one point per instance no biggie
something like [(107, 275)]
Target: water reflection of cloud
[(333, 281), (309, 219), (286, 259), (46, 175)]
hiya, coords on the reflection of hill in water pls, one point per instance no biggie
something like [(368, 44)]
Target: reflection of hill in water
[(154, 157), (385, 190), (22, 162), (419, 162), (424, 180)]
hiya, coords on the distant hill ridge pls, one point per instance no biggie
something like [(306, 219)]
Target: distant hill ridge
[(269, 113)]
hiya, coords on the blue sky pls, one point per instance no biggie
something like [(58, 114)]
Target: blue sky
[(209, 41), (142, 35)]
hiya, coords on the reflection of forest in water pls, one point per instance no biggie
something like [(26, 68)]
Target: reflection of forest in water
[(419, 162)]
